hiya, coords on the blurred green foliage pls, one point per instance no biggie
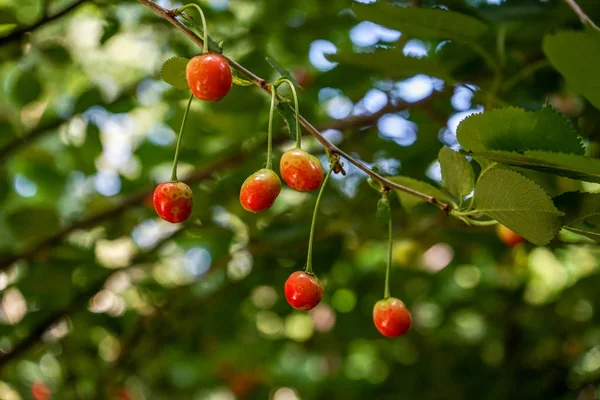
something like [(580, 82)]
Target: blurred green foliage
[(119, 305)]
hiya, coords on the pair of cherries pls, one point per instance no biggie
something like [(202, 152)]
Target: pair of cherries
[(304, 291), (209, 78), (300, 170)]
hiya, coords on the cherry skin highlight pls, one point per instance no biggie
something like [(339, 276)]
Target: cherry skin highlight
[(208, 76), (391, 317), (301, 171), (509, 237), (260, 190), (303, 291), (173, 201)]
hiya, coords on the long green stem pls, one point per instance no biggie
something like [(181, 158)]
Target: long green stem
[(204, 30), (296, 109), (270, 131), (176, 158), (386, 292), (309, 268)]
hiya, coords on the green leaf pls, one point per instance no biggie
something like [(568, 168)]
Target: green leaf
[(576, 55), (518, 203), (27, 88), (383, 211), (88, 99), (409, 201), (514, 129), (7, 28), (28, 223), (283, 72), (457, 174), (392, 63), (189, 21), (582, 212), (56, 54), (110, 28), (240, 81), (567, 165), (173, 72), (424, 23), (285, 110)]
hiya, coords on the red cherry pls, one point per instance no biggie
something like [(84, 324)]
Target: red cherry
[(208, 76), (303, 291), (391, 317), (40, 391), (260, 190), (301, 171), (173, 201), (508, 237)]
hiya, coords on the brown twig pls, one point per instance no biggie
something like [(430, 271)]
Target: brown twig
[(17, 35), (171, 17), (581, 14), (195, 177)]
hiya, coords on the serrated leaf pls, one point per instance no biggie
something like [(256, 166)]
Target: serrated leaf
[(409, 201), (576, 55), (241, 82), (213, 46), (383, 211), (392, 63), (424, 23), (457, 174), (514, 129), (582, 212), (519, 204), (285, 110), (283, 72), (568, 165), (173, 72)]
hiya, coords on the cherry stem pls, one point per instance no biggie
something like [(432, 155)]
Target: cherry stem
[(204, 30), (270, 131), (308, 268), (176, 159), (386, 292), (296, 109)]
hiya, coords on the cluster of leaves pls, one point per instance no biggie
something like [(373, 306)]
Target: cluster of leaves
[(506, 143)]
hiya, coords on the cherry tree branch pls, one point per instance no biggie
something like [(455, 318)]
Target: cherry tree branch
[(17, 35), (171, 16), (581, 14), (195, 177)]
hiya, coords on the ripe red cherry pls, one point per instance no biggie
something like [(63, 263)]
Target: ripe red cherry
[(391, 317), (303, 291), (260, 190), (301, 171), (208, 76), (509, 237), (40, 391), (173, 201)]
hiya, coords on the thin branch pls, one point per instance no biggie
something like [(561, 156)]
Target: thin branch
[(78, 301), (170, 16), (17, 35), (195, 177), (581, 14)]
